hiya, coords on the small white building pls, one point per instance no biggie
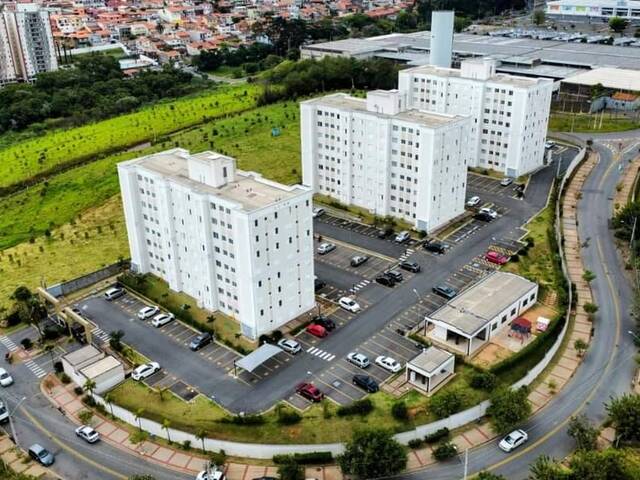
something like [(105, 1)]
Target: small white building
[(89, 363), (431, 369), (468, 321)]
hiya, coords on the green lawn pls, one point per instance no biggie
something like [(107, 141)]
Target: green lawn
[(586, 122)]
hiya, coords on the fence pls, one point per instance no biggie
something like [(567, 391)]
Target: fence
[(65, 288)]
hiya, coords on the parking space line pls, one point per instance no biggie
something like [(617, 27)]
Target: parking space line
[(334, 389)]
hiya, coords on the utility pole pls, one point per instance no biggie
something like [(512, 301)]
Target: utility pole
[(466, 463), (11, 424)]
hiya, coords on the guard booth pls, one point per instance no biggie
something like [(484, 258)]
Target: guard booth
[(78, 326)]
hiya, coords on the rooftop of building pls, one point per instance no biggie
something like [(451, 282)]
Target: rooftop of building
[(431, 359), (249, 190), (101, 366), (615, 78), (474, 308), (82, 355)]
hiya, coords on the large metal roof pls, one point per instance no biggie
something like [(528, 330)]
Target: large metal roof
[(258, 357)]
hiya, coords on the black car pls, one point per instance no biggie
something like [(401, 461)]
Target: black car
[(384, 233), (366, 383), (434, 246), (319, 284), (327, 323), (200, 341), (483, 217), (410, 266), (445, 291), (395, 275), (385, 280)]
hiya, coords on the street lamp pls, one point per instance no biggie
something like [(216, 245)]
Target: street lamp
[(11, 424), (634, 335)]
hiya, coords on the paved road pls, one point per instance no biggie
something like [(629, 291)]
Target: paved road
[(609, 365)]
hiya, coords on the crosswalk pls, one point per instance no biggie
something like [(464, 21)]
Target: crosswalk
[(7, 342), (359, 286), (37, 370), (321, 354), (407, 253), (100, 334)]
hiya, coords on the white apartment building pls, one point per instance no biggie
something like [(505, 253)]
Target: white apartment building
[(232, 240), (378, 155), (26, 43), (509, 113)]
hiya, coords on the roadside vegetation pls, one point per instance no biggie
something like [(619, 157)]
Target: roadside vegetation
[(592, 122)]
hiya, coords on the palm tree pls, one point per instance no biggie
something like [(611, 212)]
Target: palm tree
[(138, 417), (89, 386), (109, 399), (166, 425), (201, 435)]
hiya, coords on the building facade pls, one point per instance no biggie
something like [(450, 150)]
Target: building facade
[(26, 43), (596, 9), (232, 240), (378, 155), (509, 113)]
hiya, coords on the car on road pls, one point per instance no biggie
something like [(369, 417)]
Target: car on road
[(549, 144), (201, 341), (388, 363), (145, 370), (358, 260), (496, 257), (318, 212), (473, 201), (41, 455), (483, 217), (384, 233), (402, 237), (366, 383), (410, 266), (444, 291), (162, 319), (4, 413), (319, 284), (87, 433), (113, 293), (5, 378), (513, 440), (205, 475), (358, 359), (325, 322), (317, 330), (395, 274), (325, 248), (147, 312), (506, 181), (310, 392), (386, 280), (434, 246), (289, 346), (489, 211), (349, 304)]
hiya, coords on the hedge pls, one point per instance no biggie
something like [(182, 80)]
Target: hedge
[(359, 407), (311, 458), (437, 435)]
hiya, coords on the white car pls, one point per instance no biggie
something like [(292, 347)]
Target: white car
[(506, 181), (402, 237), (473, 201), (87, 433), (318, 212), (147, 312), (358, 359), (5, 378), (349, 304), (326, 247), (389, 364), (162, 319), (290, 346), (217, 475), (513, 440), (549, 144), (489, 211), (144, 371)]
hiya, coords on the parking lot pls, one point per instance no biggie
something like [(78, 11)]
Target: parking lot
[(342, 255)]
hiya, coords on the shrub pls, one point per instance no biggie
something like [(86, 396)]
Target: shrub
[(186, 445), (399, 411), (244, 420), (85, 416), (415, 443), (139, 436), (288, 417), (359, 407), (446, 403), (64, 378), (57, 367), (78, 390), (483, 380), (26, 343), (218, 458), (89, 401), (444, 451), (438, 435), (52, 332), (311, 458)]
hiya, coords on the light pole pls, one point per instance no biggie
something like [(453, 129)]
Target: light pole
[(11, 424), (634, 335)]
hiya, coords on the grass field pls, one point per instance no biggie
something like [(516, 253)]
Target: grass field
[(584, 122), (26, 159)]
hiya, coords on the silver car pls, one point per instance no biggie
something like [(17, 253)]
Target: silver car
[(358, 359), (290, 346), (325, 248)]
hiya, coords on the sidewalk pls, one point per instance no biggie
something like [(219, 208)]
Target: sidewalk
[(16, 461)]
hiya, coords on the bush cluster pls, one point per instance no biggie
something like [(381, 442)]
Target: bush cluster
[(311, 458), (359, 407)]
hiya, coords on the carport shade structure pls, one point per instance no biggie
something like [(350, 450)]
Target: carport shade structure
[(256, 358)]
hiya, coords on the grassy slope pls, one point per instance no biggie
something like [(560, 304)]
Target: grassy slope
[(582, 122)]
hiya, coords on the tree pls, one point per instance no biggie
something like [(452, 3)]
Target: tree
[(290, 470), (580, 346), (166, 425), (594, 465), (618, 24), (201, 434), (138, 416), (546, 468), (509, 407), (109, 399), (446, 403), (115, 340), (29, 308), (583, 432), (89, 386), (624, 414), (538, 17), (372, 454)]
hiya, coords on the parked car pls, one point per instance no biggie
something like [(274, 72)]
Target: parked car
[(395, 274), (549, 144), (4, 413), (358, 260), (384, 233), (289, 345), (483, 217), (325, 322), (444, 291), (317, 330), (41, 455), (388, 363), (496, 257), (402, 237), (318, 212), (489, 211), (385, 280), (217, 475), (200, 341), (410, 266), (358, 359), (147, 312), (5, 378), (513, 440), (349, 304), (310, 392), (506, 181), (319, 285), (366, 383), (113, 293), (87, 433), (473, 201), (162, 319), (434, 246), (325, 248), (144, 371)]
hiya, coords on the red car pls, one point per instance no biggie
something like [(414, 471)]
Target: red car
[(317, 330), (496, 257), (310, 392)]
